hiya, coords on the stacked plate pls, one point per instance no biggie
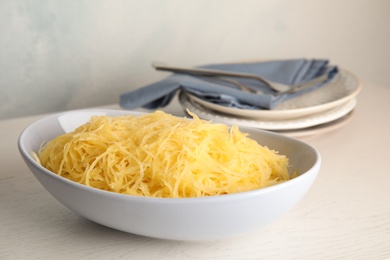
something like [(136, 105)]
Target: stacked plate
[(324, 109)]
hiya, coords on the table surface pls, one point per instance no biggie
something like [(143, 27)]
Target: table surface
[(346, 213)]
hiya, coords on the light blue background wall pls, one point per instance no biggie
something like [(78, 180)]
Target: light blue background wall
[(66, 54)]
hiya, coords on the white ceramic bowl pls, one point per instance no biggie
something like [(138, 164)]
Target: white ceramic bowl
[(202, 218)]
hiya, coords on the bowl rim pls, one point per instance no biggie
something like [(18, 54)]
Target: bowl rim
[(314, 169)]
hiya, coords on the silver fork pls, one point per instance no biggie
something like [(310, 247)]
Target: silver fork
[(279, 88)]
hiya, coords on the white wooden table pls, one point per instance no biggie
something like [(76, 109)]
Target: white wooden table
[(345, 215)]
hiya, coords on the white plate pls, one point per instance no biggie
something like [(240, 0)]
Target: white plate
[(343, 87), (309, 132), (288, 124)]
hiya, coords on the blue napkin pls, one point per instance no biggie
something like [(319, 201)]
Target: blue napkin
[(221, 92)]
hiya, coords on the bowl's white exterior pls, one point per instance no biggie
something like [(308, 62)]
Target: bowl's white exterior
[(180, 219)]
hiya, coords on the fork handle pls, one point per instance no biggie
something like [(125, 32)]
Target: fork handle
[(208, 72)]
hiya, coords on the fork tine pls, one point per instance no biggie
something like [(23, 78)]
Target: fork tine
[(305, 85), (313, 81)]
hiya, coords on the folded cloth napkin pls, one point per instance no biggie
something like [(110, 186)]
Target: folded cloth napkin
[(222, 92)]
